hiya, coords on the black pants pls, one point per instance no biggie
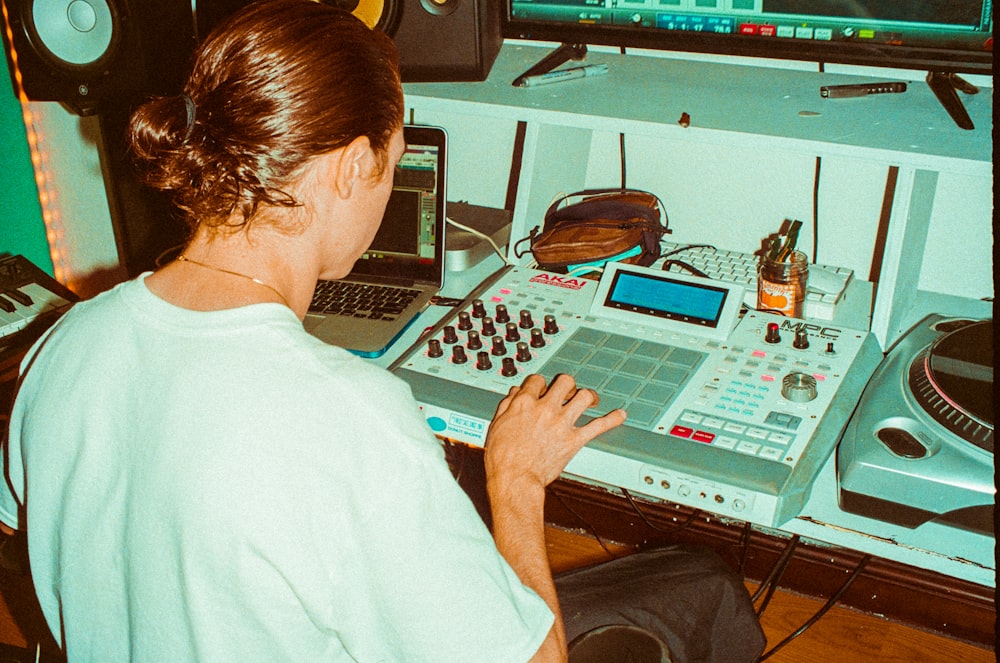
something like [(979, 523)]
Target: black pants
[(685, 596)]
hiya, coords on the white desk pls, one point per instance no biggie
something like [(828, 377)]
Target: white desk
[(955, 553), (735, 111)]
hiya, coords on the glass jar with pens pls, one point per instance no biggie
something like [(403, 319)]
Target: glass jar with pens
[(782, 276)]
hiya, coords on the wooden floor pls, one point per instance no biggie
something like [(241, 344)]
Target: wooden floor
[(840, 636)]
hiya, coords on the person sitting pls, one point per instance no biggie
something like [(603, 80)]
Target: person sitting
[(199, 478)]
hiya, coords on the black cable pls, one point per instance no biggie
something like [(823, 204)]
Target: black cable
[(771, 589), (667, 264), (822, 611), (518, 251), (642, 516), (745, 552), (819, 163), (777, 569), (621, 157), (516, 163)]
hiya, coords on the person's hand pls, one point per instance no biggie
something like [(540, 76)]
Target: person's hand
[(534, 434)]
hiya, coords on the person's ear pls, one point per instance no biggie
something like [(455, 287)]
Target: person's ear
[(354, 163)]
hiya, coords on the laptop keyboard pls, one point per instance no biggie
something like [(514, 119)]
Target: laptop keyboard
[(361, 300)]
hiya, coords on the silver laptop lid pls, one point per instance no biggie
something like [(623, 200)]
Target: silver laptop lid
[(409, 245)]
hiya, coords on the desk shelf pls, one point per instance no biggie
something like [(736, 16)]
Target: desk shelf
[(557, 137), (728, 104), (906, 140)]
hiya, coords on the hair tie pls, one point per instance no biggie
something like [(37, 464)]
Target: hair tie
[(191, 112)]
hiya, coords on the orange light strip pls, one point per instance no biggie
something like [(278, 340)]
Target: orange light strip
[(51, 216)]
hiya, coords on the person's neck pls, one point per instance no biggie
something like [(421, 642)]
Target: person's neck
[(226, 271), (183, 258)]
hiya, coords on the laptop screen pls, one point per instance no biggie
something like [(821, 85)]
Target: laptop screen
[(410, 242)]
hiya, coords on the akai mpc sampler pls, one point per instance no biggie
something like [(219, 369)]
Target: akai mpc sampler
[(730, 412)]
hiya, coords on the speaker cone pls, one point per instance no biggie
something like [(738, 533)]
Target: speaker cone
[(74, 32)]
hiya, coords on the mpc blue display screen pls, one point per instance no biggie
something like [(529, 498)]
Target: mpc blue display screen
[(664, 297)]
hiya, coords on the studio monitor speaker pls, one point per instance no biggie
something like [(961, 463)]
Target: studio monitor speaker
[(441, 40), (438, 40), (89, 54)]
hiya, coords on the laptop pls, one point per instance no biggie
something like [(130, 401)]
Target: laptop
[(395, 279)]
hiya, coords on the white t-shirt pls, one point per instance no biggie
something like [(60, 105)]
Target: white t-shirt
[(222, 486)]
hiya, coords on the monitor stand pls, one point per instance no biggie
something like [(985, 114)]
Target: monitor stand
[(945, 86), (564, 53)]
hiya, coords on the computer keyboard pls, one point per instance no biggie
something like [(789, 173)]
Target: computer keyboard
[(826, 284), (361, 300)]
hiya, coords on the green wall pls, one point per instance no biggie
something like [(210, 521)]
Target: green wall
[(21, 228)]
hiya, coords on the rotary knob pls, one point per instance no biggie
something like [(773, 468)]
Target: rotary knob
[(801, 340), (772, 335), (523, 353), (478, 308), (550, 325), (798, 387), (502, 315), (473, 340), (464, 321)]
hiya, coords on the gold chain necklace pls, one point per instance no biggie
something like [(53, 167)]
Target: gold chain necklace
[(184, 258)]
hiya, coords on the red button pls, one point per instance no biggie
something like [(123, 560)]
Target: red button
[(703, 436), (681, 431)]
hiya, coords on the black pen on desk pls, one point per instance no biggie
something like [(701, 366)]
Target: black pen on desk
[(559, 75), (861, 90)]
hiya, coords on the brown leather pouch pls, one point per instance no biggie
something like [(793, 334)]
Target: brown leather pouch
[(596, 226)]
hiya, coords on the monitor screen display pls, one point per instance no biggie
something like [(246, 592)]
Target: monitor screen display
[(951, 36)]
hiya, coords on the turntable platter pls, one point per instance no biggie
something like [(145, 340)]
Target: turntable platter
[(952, 380)]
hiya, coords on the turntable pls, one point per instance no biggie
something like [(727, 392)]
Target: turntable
[(919, 447)]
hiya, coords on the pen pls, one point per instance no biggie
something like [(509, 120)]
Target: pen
[(570, 74), (861, 90)]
